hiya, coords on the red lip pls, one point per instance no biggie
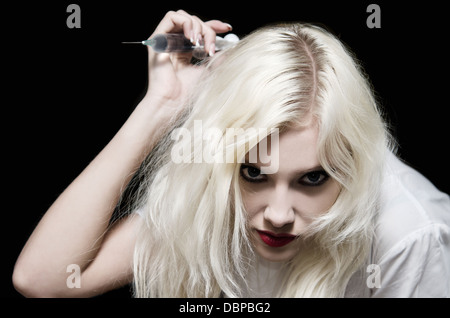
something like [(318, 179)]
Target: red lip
[(275, 240)]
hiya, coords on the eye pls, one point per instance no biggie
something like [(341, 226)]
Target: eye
[(252, 174), (314, 178)]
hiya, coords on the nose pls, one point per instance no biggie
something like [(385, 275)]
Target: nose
[(279, 210)]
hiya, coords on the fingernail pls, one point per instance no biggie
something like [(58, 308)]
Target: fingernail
[(198, 40), (229, 26), (212, 49), (192, 37)]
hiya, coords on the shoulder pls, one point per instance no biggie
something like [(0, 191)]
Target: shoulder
[(412, 235), (410, 205)]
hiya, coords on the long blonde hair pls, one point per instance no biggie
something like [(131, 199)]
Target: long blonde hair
[(194, 241)]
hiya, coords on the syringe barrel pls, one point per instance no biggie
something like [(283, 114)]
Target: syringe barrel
[(176, 43), (171, 42)]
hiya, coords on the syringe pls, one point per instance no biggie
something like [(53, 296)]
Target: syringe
[(177, 43)]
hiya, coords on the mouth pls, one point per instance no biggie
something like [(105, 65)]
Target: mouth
[(275, 240)]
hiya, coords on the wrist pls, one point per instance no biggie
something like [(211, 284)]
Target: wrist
[(150, 120), (159, 109)]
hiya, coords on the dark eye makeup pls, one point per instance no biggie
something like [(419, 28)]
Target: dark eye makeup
[(252, 174), (314, 178)]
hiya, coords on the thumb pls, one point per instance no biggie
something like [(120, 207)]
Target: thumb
[(180, 60)]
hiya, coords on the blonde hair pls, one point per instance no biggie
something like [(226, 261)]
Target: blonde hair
[(194, 241)]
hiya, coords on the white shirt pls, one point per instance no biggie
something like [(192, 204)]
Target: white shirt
[(411, 248)]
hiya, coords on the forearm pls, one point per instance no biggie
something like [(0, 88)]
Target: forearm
[(72, 229)]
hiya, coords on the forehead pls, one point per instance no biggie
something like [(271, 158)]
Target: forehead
[(300, 143), (296, 150)]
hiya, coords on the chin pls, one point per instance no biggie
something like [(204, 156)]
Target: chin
[(276, 257), (276, 254)]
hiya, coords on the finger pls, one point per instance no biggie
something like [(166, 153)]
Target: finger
[(197, 25), (195, 31), (175, 22), (211, 29), (203, 31), (219, 26), (193, 28), (209, 39)]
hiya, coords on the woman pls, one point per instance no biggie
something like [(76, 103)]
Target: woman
[(339, 215)]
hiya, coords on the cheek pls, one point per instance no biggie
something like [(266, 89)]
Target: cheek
[(255, 200), (317, 201), (252, 203), (331, 193)]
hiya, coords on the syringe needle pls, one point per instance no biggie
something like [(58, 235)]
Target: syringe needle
[(149, 42)]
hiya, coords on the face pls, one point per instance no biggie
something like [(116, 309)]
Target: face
[(281, 205)]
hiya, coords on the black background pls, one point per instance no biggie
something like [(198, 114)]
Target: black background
[(67, 91)]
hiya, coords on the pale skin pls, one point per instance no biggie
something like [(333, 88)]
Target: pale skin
[(75, 228), (287, 201)]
